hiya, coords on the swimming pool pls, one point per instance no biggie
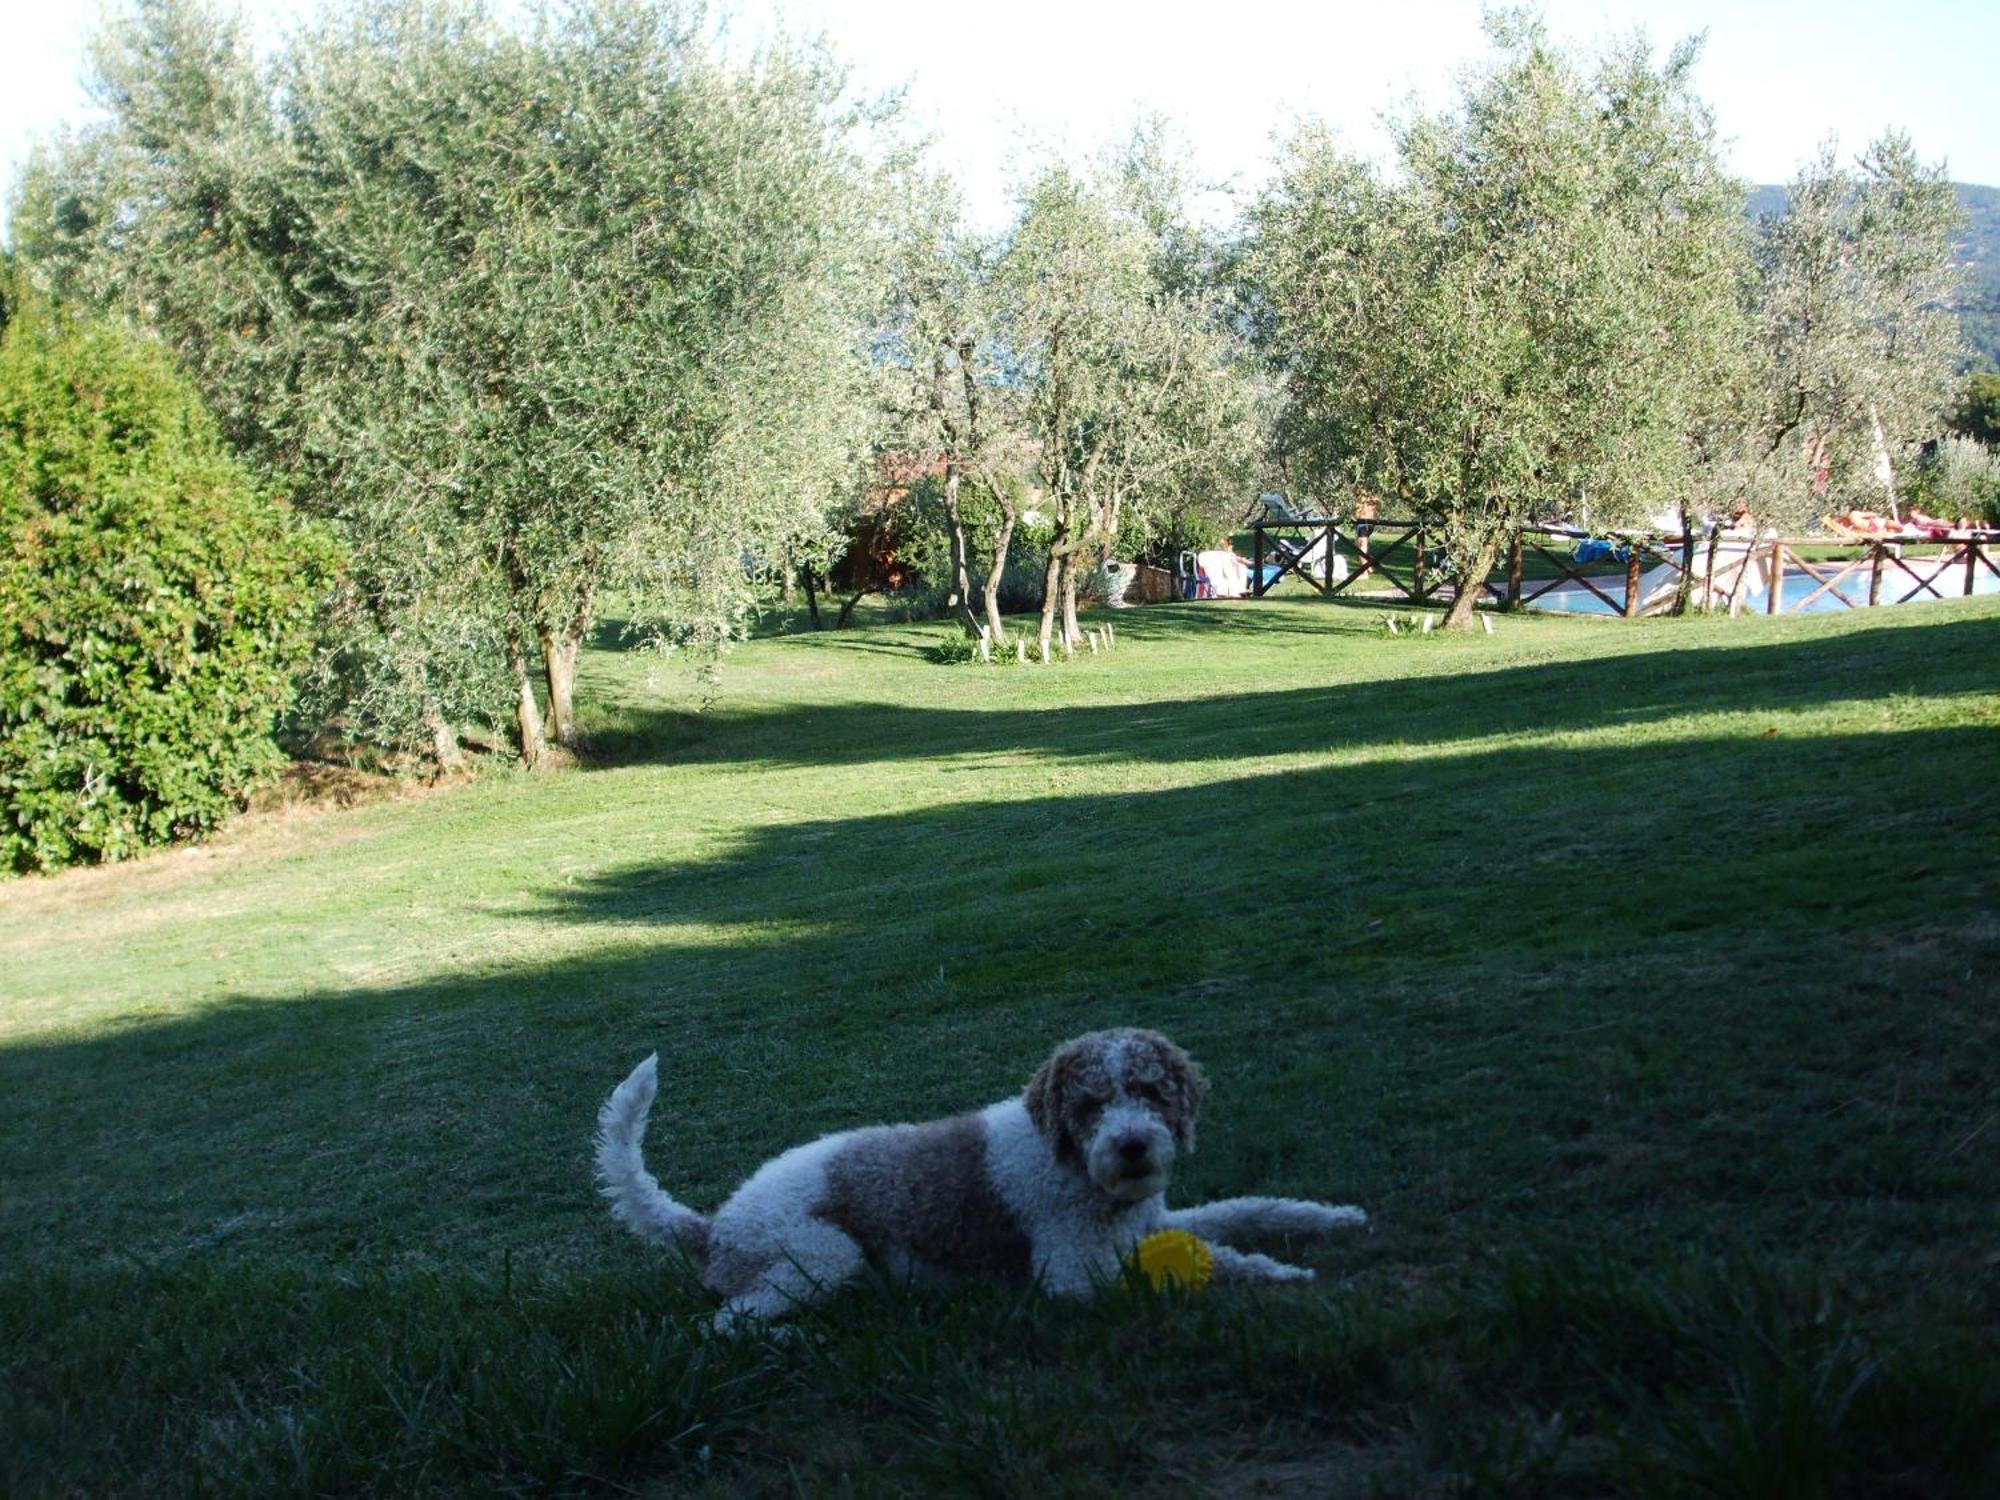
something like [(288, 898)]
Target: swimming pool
[(1947, 577)]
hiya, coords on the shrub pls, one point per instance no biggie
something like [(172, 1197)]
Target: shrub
[(1961, 479), (921, 543), (153, 604), (1976, 411)]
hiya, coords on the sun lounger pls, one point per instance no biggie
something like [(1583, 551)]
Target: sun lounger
[(1218, 573)]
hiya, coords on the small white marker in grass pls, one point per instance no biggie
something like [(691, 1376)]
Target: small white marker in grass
[(1429, 620), (1486, 623)]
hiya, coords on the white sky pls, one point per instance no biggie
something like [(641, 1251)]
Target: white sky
[(994, 81)]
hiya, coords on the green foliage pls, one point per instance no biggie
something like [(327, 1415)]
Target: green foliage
[(1959, 478), (1977, 249), (919, 535), (526, 305), (1133, 387), (917, 532), (1979, 319), (1975, 412), (154, 606), (1855, 341), (1200, 463), (1531, 317), (1090, 346)]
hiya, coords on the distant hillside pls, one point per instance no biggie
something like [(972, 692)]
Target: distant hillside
[(1979, 308)]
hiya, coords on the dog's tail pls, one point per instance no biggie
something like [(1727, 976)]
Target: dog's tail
[(637, 1200)]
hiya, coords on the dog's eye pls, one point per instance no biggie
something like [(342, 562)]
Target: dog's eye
[(1150, 1092)]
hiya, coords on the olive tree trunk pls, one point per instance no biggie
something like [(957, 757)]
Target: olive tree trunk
[(559, 653), (1072, 634), (959, 601), (560, 649), (444, 739), (1001, 544), (1051, 597), (811, 587), (1708, 568), (1472, 581), (1684, 590), (527, 714)]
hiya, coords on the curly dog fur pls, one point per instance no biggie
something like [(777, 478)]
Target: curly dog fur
[(1056, 1185)]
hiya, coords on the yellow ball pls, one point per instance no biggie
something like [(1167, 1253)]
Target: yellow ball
[(1174, 1255)]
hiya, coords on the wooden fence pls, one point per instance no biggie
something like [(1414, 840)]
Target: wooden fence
[(1720, 569)]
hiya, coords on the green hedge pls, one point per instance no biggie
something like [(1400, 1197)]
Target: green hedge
[(154, 606)]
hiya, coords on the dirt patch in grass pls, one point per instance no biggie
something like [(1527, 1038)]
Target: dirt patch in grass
[(303, 809), (318, 785)]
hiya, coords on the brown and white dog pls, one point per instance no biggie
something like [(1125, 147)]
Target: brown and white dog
[(1057, 1185)]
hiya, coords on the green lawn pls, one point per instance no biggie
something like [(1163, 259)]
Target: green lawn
[(1639, 978)]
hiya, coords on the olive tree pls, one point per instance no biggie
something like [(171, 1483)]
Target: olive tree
[(184, 211), (1851, 297), (1532, 315), (528, 308), (1200, 453), (942, 371), (1130, 385)]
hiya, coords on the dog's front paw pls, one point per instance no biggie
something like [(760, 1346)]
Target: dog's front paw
[(1284, 1273), (1329, 1218)]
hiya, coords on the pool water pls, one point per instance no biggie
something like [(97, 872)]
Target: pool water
[(1798, 586)]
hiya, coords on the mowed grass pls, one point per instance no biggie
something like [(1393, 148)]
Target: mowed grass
[(1639, 978)]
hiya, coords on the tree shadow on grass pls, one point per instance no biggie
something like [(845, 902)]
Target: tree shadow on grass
[(1492, 995), (860, 642), (1571, 696), (1258, 617)]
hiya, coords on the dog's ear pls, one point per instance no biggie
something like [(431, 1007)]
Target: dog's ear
[(1186, 1086), (1048, 1103)]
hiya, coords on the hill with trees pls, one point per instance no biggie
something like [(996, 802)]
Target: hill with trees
[(1979, 301)]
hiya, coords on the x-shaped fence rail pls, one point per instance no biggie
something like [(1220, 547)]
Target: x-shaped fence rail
[(1716, 567)]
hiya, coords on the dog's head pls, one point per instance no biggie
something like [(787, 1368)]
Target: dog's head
[(1118, 1106)]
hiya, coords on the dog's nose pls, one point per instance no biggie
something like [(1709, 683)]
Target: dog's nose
[(1132, 1150)]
